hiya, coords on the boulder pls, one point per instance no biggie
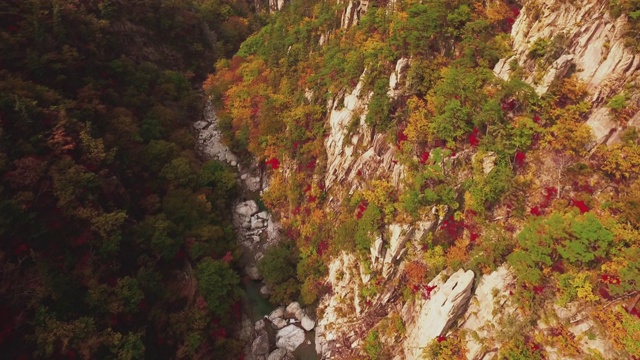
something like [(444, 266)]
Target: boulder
[(252, 272), (259, 326), (260, 345), (289, 338), (307, 323), (437, 313), (281, 354), (277, 313), (293, 311), (247, 208), (264, 290), (278, 323)]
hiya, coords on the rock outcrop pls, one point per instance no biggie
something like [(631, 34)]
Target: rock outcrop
[(426, 319), (581, 36), (489, 302)]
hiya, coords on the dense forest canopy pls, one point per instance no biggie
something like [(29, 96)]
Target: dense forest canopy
[(104, 202)]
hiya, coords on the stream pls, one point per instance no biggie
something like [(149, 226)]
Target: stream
[(255, 305)]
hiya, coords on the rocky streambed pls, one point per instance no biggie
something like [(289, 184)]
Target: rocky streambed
[(269, 332)]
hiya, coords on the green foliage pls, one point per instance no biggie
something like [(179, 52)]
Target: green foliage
[(99, 176), (539, 48), (590, 240), (218, 284), (278, 269), (372, 345), (617, 103), (368, 228)]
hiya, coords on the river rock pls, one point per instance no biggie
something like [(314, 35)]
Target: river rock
[(252, 272), (307, 323), (290, 337), (264, 290), (260, 345), (247, 208), (277, 313), (280, 354), (279, 323), (294, 311), (259, 326)]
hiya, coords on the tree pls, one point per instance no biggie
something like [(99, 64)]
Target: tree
[(218, 284)]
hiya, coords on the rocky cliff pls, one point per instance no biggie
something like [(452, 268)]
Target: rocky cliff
[(375, 307)]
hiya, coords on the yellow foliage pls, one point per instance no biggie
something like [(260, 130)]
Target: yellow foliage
[(497, 11), (583, 287), (621, 161), (380, 193), (418, 124)]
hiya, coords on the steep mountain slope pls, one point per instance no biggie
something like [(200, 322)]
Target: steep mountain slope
[(459, 178)]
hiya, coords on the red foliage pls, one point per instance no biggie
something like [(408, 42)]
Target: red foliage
[(21, 249), (427, 291), (580, 205), (520, 158), (307, 189), (538, 290), (511, 104), (111, 281), (219, 333), (181, 255), (473, 138), (474, 237), (424, 157), (12, 28), (312, 198), (361, 209), (536, 119), (237, 310), (452, 227), (359, 173), (323, 246), (227, 258), (441, 338), (558, 267), (610, 279), (515, 11), (274, 163), (143, 306), (311, 164), (295, 145), (402, 137), (604, 293)]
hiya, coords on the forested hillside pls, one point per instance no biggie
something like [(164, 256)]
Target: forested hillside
[(108, 216), (380, 120)]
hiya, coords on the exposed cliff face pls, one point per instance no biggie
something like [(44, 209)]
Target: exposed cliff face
[(589, 45), (582, 38)]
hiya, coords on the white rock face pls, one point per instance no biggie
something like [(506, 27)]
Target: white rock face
[(289, 337), (594, 44), (210, 138), (428, 319), (480, 318), (396, 78)]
